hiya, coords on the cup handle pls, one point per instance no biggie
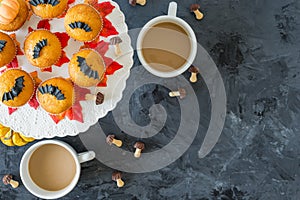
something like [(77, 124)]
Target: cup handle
[(172, 9), (86, 156)]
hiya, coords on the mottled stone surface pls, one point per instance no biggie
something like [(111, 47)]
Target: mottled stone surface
[(256, 47)]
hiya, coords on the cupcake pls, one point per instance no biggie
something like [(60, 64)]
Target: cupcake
[(7, 49), (56, 95), (86, 68), (42, 48), (16, 87), (83, 23), (13, 14), (48, 9)]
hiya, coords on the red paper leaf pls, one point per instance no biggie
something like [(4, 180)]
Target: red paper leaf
[(108, 29), (58, 118), (93, 44), (80, 93), (34, 102), (103, 82), (30, 29), (102, 47), (11, 110), (49, 69), (63, 59), (75, 113), (44, 24), (104, 8), (114, 66), (13, 64), (63, 38)]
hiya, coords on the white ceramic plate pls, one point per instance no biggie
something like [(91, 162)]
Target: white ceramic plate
[(37, 123)]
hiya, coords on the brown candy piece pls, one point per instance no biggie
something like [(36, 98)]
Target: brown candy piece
[(181, 93), (195, 8), (7, 179), (98, 98), (139, 146), (115, 41), (117, 176), (134, 2), (194, 71), (110, 139)]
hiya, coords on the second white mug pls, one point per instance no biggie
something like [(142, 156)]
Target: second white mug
[(170, 18)]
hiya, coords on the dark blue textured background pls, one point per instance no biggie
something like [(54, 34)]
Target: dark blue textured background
[(255, 44)]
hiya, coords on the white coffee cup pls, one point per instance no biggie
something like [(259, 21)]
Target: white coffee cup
[(171, 17), (45, 194)]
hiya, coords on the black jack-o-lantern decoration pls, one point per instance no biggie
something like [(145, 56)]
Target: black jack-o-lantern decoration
[(84, 68), (15, 91), (81, 25), (38, 48), (53, 90), (2, 45), (40, 2)]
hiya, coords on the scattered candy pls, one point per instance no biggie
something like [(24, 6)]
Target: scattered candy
[(194, 71), (98, 98), (115, 41), (7, 179), (139, 146), (181, 93), (195, 8), (134, 2), (117, 176), (110, 139)]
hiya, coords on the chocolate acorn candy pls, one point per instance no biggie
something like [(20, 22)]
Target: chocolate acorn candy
[(181, 93), (117, 176), (194, 71), (7, 179), (139, 146), (115, 41), (98, 98), (110, 139), (195, 9)]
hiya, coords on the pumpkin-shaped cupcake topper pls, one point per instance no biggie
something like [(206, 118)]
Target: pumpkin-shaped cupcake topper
[(84, 68), (81, 25), (39, 2), (38, 48), (53, 90), (2, 45), (15, 91), (9, 9)]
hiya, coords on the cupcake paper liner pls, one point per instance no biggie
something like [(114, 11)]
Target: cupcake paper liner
[(25, 51), (31, 94)]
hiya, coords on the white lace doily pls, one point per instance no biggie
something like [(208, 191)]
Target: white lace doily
[(37, 123)]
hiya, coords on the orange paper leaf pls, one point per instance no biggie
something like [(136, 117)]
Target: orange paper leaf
[(103, 82)]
